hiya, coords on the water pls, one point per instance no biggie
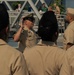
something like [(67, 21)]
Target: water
[(12, 43)]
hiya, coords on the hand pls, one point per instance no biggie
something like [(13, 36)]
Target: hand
[(21, 25)]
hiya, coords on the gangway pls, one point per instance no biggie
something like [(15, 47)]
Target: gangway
[(18, 15), (33, 6)]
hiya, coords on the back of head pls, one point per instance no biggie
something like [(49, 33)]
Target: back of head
[(4, 19), (29, 18), (48, 26)]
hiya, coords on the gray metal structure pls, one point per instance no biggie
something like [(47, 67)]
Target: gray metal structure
[(17, 15), (25, 1)]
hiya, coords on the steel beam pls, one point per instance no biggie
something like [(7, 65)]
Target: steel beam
[(43, 1), (34, 8), (19, 14), (13, 0), (8, 5), (25, 1), (37, 2)]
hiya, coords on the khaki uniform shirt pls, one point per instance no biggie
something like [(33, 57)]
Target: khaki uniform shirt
[(44, 59), (11, 61), (27, 39), (68, 64), (69, 34)]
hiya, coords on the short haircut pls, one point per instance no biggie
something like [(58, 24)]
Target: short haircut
[(30, 18), (4, 17), (48, 26)]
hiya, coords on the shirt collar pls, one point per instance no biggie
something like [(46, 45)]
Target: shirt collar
[(72, 22), (2, 42), (47, 43)]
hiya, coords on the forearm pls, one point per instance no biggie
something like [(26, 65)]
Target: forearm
[(17, 35)]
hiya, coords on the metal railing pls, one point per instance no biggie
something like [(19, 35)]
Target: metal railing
[(13, 15)]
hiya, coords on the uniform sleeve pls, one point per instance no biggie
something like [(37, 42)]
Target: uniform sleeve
[(59, 58), (69, 36), (19, 66), (26, 54), (66, 69), (21, 36)]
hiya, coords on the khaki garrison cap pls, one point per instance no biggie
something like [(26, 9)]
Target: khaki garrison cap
[(70, 10)]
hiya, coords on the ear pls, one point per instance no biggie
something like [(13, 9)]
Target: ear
[(7, 29), (56, 33)]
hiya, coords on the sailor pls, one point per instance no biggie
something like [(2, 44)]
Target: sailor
[(26, 36), (11, 61), (69, 32), (45, 58)]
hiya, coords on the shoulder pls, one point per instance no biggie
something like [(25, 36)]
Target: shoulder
[(12, 55), (24, 33), (70, 52), (13, 52), (71, 25), (69, 28), (70, 55), (59, 51), (44, 48), (28, 51), (33, 51)]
